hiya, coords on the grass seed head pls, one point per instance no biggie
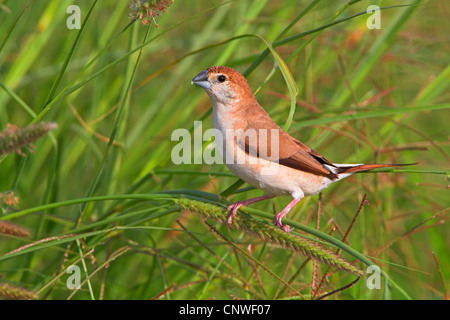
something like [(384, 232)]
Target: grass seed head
[(148, 10)]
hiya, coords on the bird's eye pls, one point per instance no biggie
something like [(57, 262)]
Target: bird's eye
[(221, 78)]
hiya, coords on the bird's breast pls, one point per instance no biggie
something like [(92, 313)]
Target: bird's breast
[(270, 176)]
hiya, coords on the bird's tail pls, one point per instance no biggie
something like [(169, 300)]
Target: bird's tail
[(344, 170)]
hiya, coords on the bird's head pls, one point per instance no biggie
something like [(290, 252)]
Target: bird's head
[(224, 85)]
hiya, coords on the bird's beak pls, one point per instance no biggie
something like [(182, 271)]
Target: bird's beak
[(202, 80)]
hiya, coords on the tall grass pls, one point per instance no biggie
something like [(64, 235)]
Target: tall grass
[(102, 193)]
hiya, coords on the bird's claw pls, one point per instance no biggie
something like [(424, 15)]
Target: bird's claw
[(280, 225), (233, 208)]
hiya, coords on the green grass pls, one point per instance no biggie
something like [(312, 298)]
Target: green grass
[(101, 192)]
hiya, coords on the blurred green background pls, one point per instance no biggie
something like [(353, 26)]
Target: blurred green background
[(372, 96)]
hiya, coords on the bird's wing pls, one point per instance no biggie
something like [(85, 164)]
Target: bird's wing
[(291, 152)]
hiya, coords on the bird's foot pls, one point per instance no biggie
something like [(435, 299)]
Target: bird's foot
[(283, 214), (233, 208), (277, 222)]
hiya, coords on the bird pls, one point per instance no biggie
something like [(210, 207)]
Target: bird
[(258, 151)]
